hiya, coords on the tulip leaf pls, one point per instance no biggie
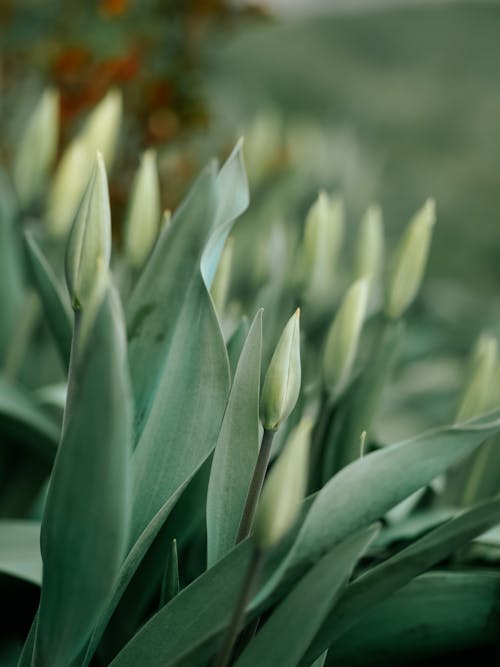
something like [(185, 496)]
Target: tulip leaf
[(236, 451), (177, 636), (435, 613), (379, 582), (185, 418), (24, 421), (288, 631), (57, 312), (158, 298), (20, 549), (232, 200), (87, 513), (365, 490)]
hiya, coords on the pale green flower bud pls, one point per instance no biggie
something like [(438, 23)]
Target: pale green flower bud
[(71, 177), (220, 285), (410, 261), (282, 382), (343, 338), (284, 489), (477, 395), (370, 247), (323, 237), (100, 132), (37, 148), (89, 243), (144, 213), (263, 144)]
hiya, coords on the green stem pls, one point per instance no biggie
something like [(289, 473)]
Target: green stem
[(255, 488), (226, 651)]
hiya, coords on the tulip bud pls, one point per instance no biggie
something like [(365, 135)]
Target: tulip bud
[(89, 243), (70, 179), (263, 144), (343, 338), (37, 148), (323, 236), (410, 260), (100, 132), (284, 489), (143, 218), (476, 398), (220, 285), (282, 382), (370, 248)]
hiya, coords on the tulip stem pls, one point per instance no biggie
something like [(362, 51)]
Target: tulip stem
[(255, 487), (226, 651)]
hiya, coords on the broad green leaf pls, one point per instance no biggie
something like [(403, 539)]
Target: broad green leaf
[(179, 632), (158, 297), (236, 342), (23, 420), (366, 489), (379, 582), (126, 573), (232, 200), (184, 421), (320, 662), (20, 549), (435, 613), (56, 308), (236, 451), (85, 525), (287, 633)]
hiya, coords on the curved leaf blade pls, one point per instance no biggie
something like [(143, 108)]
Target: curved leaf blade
[(56, 308), (86, 519), (236, 451), (287, 633), (379, 582), (435, 613)]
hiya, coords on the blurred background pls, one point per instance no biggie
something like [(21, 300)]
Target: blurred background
[(380, 101)]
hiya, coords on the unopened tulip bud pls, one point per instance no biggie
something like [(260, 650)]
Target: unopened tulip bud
[(282, 382), (89, 243), (343, 338), (410, 261), (37, 148), (476, 398), (100, 132), (370, 248), (284, 489), (323, 236), (143, 218), (71, 177)]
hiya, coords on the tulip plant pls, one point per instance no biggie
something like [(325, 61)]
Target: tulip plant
[(194, 473)]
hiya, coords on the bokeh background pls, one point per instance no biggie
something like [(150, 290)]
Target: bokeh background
[(385, 101)]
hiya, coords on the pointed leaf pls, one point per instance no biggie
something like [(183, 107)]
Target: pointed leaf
[(287, 633), (158, 298), (182, 427), (213, 596), (366, 489), (436, 613), (57, 312), (379, 582), (86, 519), (232, 200), (236, 450)]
